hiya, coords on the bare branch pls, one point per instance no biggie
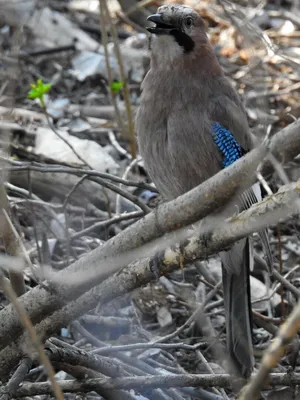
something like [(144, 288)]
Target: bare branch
[(166, 381), (274, 353), (35, 342)]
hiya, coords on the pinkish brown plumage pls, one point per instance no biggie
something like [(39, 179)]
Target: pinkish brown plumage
[(184, 94)]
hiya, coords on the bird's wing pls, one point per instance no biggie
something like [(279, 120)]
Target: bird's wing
[(231, 134), (231, 115)]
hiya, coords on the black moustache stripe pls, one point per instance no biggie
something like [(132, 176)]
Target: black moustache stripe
[(183, 40)]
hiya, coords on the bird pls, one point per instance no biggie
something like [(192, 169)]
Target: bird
[(190, 124)]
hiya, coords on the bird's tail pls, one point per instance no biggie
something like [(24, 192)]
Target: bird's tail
[(236, 264)]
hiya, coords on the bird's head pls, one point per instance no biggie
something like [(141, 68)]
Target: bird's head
[(177, 32)]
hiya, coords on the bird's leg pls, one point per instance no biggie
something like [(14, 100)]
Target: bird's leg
[(181, 260), (203, 231), (155, 263)]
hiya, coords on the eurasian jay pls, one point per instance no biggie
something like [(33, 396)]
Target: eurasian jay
[(191, 123)]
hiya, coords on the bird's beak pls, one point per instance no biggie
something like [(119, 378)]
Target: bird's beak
[(161, 26)]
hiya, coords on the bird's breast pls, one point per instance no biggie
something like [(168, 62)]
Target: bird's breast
[(175, 137)]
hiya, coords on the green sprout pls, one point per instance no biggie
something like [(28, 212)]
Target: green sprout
[(116, 86), (38, 90)]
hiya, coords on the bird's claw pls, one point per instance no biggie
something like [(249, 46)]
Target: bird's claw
[(154, 266)]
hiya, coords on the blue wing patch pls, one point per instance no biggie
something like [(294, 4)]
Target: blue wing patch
[(227, 144)]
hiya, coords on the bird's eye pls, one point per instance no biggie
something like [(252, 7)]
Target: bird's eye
[(189, 22)]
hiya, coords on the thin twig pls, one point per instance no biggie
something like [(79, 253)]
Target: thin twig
[(287, 284), (192, 318), (145, 346), (9, 293), (159, 381), (95, 177), (64, 140), (114, 142), (123, 79), (45, 168), (20, 242), (105, 224), (272, 356), (127, 170), (104, 38), (68, 195)]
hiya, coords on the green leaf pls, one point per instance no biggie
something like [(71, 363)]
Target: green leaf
[(116, 86), (39, 89)]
